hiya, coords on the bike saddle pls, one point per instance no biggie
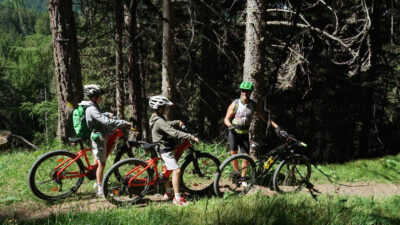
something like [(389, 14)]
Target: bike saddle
[(147, 146), (75, 139)]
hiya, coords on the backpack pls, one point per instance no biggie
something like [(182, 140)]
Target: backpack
[(79, 121)]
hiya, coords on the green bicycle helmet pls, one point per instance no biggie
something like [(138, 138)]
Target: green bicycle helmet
[(246, 85)]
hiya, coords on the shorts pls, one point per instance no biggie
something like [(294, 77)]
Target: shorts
[(238, 140), (169, 160), (98, 148)]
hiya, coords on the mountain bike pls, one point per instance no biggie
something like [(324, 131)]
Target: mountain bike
[(282, 168), (129, 180), (58, 174)]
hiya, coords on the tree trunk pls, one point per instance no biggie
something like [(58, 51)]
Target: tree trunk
[(134, 80), (168, 56), (119, 25), (207, 113), (67, 64), (253, 69)]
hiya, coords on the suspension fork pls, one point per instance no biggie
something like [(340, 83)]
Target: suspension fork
[(193, 155)]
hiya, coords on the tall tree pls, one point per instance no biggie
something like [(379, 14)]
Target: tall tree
[(67, 63), (253, 69), (119, 25), (168, 55), (134, 79)]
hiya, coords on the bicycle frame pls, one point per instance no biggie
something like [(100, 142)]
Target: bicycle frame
[(111, 143), (153, 163)]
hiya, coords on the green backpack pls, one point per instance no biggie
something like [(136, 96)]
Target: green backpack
[(79, 120)]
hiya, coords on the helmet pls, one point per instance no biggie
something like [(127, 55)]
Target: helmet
[(246, 85), (156, 101), (93, 90)]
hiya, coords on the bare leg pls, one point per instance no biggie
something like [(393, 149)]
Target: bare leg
[(245, 164), (235, 163), (100, 171), (175, 180)]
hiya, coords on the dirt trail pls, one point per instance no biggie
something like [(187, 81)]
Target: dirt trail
[(29, 211)]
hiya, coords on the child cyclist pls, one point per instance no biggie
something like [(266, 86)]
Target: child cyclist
[(101, 125), (164, 133)]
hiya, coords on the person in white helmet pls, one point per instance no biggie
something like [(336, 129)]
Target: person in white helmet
[(164, 133)]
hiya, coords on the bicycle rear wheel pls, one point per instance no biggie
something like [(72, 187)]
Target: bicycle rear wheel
[(292, 174), (197, 175), (45, 183), (117, 183), (229, 181)]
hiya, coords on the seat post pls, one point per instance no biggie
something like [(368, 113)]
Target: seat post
[(81, 144)]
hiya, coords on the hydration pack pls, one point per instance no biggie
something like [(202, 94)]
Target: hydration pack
[(79, 121)]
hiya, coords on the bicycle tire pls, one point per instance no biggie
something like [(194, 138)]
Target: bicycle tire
[(286, 177), (116, 189), (226, 181), (54, 185), (122, 151), (199, 182)]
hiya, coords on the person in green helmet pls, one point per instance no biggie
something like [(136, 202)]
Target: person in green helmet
[(238, 118)]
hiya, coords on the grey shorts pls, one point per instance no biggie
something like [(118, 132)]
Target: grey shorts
[(169, 160), (99, 150)]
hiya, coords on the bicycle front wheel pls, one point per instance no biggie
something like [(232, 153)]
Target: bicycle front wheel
[(236, 176), (197, 174), (44, 181), (119, 182), (292, 174)]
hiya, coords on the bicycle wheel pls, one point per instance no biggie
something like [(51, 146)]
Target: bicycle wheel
[(123, 152), (230, 181), (117, 189), (43, 179), (197, 175), (292, 174)]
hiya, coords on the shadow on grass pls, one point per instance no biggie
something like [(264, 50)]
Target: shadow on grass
[(255, 209)]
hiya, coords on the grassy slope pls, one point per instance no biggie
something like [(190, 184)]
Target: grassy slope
[(301, 209)]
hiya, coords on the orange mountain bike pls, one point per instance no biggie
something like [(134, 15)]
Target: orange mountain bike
[(58, 174), (128, 181)]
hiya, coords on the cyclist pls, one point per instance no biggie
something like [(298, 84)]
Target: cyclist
[(101, 125), (164, 133), (238, 118)]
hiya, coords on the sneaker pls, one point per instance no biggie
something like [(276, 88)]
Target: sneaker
[(243, 182), (100, 193), (167, 196), (180, 202)]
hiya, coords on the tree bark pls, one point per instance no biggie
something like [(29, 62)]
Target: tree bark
[(207, 113), (119, 25), (67, 64), (253, 69), (134, 80), (168, 55)]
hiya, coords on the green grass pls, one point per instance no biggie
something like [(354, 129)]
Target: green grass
[(254, 209), (378, 170), (289, 209)]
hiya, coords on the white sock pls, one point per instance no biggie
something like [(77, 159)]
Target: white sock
[(178, 196), (168, 190)]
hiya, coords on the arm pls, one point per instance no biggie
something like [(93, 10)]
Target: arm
[(261, 115), (168, 129), (105, 120), (175, 123), (229, 115)]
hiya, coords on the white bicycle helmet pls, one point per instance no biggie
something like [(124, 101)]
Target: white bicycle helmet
[(156, 101), (93, 90)]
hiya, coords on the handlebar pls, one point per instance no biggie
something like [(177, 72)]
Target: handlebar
[(289, 138)]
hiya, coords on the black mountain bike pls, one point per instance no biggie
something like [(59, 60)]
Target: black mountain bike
[(289, 170)]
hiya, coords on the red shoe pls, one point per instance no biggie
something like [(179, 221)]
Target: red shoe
[(180, 202)]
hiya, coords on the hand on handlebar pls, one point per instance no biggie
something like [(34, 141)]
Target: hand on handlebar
[(196, 139)]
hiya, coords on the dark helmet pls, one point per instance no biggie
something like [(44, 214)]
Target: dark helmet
[(93, 90)]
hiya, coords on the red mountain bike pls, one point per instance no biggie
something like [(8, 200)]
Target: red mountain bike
[(58, 174), (128, 181)]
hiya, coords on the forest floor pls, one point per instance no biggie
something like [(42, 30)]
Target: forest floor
[(87, 202), (369, 193)]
